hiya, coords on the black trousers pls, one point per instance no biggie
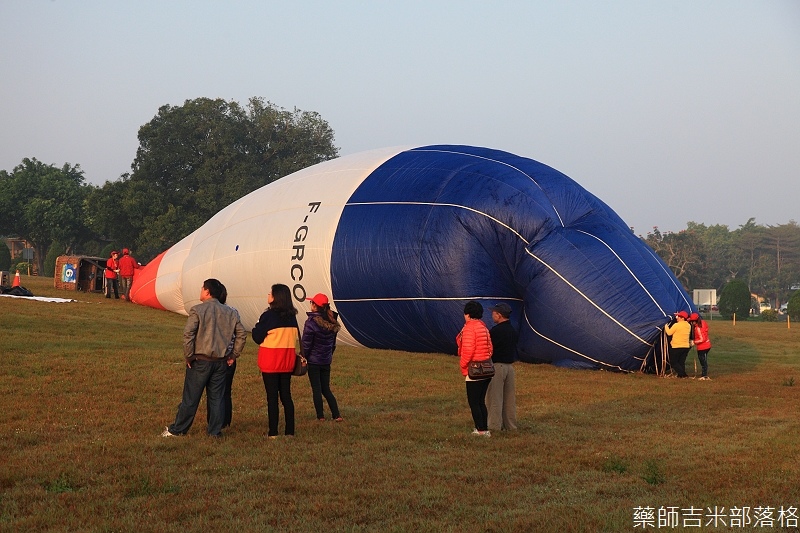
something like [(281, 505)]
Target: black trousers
[(476, 397), (279, 386), (320, 378), (677, 360)]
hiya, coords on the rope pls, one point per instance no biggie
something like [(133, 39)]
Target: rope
[(660, 360)]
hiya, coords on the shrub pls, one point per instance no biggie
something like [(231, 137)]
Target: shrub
[(50, 259), (653, 474), (20, 265), (770, 315), (615, 464), (793, 306), (5, 256), (735, 298)]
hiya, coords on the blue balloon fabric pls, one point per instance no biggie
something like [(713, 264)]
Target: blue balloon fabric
[(434, 227)]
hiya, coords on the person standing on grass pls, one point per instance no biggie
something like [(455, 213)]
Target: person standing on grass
[(679, 345), (112, 270), (701, 342), (475, 344), (276, 334), (501, 402), (127, 266), (208, 332), (319, 342), (230, 370)]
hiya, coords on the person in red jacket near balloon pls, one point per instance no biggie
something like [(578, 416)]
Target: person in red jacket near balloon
[(127, 266), (112, 271), (701, 342), (475, 344)]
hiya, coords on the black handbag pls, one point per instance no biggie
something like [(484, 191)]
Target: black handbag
[(481, 369), (300, 363)]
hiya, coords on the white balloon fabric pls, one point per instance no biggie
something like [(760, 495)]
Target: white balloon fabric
[(400, 239)]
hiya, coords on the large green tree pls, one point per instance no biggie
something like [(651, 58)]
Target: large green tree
[(735, 300), (719, 264), (782, 248), (197, 158), (43, 204), (108, 217)]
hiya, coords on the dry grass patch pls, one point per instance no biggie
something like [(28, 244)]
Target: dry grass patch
[(86, 388)]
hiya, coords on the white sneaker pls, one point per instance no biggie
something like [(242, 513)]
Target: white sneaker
[(479, 433), (166, 432)]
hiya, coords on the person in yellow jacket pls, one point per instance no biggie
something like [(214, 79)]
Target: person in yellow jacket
[(679, 345)]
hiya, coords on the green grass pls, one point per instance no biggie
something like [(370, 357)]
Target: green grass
[(86, 388)]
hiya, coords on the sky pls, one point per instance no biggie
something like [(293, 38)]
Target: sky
[(669, 111)]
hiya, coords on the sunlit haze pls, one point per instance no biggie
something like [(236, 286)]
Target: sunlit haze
[(669, 111)]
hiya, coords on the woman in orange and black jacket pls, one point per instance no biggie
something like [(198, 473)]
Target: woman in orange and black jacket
[(276, 334), (475, 344)]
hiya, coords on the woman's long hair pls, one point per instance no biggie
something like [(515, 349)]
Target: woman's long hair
[(327, 313), (282, 301)]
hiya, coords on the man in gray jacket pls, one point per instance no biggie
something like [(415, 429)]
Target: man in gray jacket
[(209, 330)]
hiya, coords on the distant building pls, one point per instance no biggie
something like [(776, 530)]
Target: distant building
[(704, 297)]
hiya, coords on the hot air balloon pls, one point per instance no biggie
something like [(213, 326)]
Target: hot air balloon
[(402, 238)]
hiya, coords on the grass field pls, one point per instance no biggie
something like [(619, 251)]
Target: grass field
[(87, 387)]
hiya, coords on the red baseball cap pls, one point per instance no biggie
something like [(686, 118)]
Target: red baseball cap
[(683, 314), (319, 299)]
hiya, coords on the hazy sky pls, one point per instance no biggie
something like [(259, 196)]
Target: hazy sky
[(669, 111)]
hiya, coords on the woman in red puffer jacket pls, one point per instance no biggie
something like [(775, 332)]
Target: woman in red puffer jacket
[(701, 342), (475, 344)]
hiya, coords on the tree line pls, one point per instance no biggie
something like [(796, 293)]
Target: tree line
[(197, 158), (765, 258), (193, 160)]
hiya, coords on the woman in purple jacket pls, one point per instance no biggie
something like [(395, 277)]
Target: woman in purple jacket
[(319, 342)]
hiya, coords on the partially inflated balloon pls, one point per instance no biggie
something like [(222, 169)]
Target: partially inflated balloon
[(401, 239)]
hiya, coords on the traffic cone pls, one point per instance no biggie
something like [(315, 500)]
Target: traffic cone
[(16, 280)]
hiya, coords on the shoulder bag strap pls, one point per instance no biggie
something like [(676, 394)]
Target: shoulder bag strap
[(300, 340)]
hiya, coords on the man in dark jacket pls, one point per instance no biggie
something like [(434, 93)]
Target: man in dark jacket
[(501, 401), (208, 332)]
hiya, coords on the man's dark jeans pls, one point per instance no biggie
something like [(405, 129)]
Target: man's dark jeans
[(227, 399), (202, 375)]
